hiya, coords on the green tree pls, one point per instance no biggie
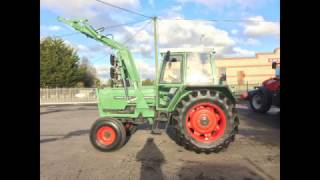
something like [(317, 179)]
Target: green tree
[(59, 64), (147, 82), (90, 76), (109, 83)]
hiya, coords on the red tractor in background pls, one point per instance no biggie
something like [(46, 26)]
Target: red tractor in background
[(267, 95)]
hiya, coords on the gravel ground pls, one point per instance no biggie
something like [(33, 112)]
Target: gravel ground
[(66, 153)]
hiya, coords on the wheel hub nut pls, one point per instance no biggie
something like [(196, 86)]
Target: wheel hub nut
[(107, 135), (204, 121)]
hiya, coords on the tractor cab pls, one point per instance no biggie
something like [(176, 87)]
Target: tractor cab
[(189, 66), (184, 68)]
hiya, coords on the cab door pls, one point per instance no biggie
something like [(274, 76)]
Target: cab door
[(170, 80)]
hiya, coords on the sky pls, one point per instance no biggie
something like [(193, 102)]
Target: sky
[(261, 33)]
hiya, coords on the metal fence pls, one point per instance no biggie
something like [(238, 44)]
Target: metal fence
[(239, 89), (88, 95), (67, 96)]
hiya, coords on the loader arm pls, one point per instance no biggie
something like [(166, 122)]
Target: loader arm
[(124, 55)]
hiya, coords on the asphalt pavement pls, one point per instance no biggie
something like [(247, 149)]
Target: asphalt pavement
[(66, 152)]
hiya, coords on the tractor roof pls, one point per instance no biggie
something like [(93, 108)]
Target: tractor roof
[(199, 49)]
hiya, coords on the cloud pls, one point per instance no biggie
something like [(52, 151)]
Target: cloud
[(100, 15), (248, 41), (138, 38), (90, 51), (240, 52), (219, 5), (85, 8), (171, 33), (75, 8), (54, 28), (100, 48), (176, 8), (260, 29), (234, 31), (97, 13), (209, 3), (145, 70), (103, 71), (48, 29), (82, 47), (177, 33), (76, 46), (252, 41), (194, 34)]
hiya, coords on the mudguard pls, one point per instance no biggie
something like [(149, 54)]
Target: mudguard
[(262, 89)]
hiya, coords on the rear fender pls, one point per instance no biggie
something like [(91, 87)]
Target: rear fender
[(252, 93), (263, 90)]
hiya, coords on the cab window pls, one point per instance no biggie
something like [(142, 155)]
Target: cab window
[(172, 70), (199, 68)]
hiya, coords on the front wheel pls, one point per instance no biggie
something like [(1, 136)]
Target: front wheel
[(107, 134)]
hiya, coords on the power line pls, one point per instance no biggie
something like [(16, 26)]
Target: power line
[(221, 20), (107, 27), (127, 10), (99, 59), (137, 32), (119, 25)]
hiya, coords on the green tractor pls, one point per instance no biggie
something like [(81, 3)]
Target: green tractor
[(186, 95)]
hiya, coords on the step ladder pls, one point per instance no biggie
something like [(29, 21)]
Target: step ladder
[(158, 124)]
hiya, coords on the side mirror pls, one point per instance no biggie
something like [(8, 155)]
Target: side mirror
[(274, 65), (167, 56), (112, 59)]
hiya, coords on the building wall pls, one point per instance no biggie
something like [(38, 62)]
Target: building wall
[(255, 69)]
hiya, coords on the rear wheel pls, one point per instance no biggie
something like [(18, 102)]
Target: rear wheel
[(206, 121), (259, 102), (107, 134)]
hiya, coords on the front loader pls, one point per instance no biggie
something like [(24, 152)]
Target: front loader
[(186, 94)]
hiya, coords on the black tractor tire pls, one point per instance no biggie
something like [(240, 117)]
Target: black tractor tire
[(212, 97), (260, 102), (117, 128), (131, 129)]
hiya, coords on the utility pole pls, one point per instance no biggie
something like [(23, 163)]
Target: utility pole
[(156, 56), (155, 43)]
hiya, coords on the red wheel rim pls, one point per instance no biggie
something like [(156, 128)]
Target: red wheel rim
[(106, 135), (205, 122)]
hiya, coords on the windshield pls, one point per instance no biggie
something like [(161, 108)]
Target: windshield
[(199, 68)]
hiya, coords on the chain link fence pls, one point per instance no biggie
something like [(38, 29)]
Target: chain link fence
[(88, 95)]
